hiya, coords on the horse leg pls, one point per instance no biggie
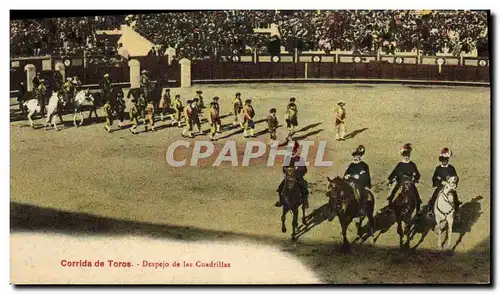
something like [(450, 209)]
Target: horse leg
[(283, 218), (359, 225), (295, 223), (450, 229), (344, 223), (54, 121), (29, 118), (303, 215), (437, 229), (407, 233), (400, 233), (48, 120), (81, 117), (74, 119)]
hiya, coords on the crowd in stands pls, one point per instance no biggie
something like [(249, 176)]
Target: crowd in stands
[(198, 34), (68, 36), (204, 33)]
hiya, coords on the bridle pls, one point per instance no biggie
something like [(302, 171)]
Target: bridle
[(446, 199)]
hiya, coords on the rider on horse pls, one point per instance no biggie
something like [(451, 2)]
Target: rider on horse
[(68, 90), (405, 170), (441, 173), (301, 171), (358, 175)]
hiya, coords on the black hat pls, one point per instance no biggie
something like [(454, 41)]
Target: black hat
[(273, 110), (189, 101), (196, 99), (167, 90), (199, 92), (213, 103), (177, 96), (360, 151), (406, 150), (216, 98), (238, 94), (248, 101), (292, 99)]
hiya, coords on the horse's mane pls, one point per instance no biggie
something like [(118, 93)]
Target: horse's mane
[(340, 182)]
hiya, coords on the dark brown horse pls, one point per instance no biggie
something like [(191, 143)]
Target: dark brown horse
[(403, 205), (347, 208), (292, 199)]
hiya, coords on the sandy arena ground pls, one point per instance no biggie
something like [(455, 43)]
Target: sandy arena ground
[(86, 182)]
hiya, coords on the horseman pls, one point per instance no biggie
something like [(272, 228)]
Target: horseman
[(248, 123), (77, 84), (41, 95), (145, 84), (300, 171), (36, 80), (291, 116), (58, 80), (106, 89), (358, 175), (441, 173), (69, 90), (405, 170), (237, 107)]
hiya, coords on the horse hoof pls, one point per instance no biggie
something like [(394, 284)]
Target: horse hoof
[(283, 230), (294, 238)]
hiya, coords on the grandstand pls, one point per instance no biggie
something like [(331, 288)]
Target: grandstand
[(94, 45)]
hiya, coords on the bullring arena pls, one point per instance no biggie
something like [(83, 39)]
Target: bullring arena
[(84, 180), (82, 195)]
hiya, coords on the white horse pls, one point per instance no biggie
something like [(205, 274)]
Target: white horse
[(444, 210), (34, 107), (77, 104)]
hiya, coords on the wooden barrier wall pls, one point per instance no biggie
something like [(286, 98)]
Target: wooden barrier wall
[(205, 70), (270, 67)]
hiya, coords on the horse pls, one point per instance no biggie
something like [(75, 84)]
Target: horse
[(403, 205), (344, 203), (34, 107), (444, 210), (77, 105), (292, 199)]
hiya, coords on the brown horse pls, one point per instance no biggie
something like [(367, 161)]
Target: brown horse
[(347, 208), (292, 199), (403, 205)]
